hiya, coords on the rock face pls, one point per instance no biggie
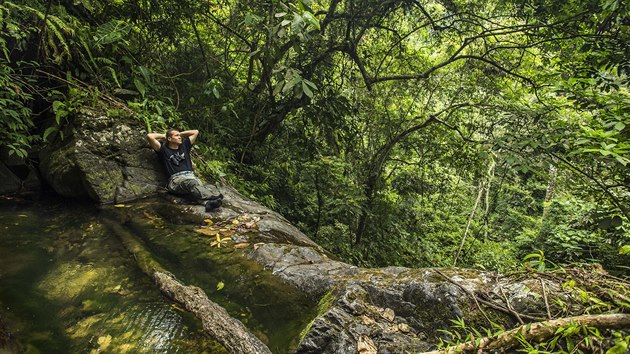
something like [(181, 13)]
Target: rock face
[(103, 158), (395, 309)]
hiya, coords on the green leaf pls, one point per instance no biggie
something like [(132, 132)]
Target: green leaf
[(140, 87), (298, 23), (48, 131), (277, 89), (310, 19), (57, 105), (220, 285), (110, 32), (145, 73), (307, 90), (619, 348), (310, 83)]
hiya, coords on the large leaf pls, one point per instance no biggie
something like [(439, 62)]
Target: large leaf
[(112, 31)]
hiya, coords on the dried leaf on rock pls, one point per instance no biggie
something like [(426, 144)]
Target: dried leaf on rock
[(207, 232), (220, 241), (227, 232), (388, 314), (365, 345)]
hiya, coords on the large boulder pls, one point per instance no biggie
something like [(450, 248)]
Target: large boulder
[(102, 158)]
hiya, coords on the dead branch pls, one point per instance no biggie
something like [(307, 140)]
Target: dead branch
[(487, 303), (544, 291), (509, 306), (216, 321), (537, 332)]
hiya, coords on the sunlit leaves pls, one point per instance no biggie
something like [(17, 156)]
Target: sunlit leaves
[(110, 32), (293, 84), (213, 87), (297, 18), (223, 231)]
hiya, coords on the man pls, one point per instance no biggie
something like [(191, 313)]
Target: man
[(175, 155)]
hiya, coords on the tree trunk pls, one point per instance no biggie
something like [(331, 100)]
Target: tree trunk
[(470, 218), (551, 186), (216, 321)]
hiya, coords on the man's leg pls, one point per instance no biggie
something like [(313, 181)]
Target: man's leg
[(190, 186), (199, 191)]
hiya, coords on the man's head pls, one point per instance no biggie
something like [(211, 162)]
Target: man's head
[(173, 137)]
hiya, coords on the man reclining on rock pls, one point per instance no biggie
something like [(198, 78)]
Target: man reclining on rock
[(175, 155)]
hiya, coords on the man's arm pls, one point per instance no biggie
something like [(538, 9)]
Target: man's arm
[(191, 134), (153, 140)]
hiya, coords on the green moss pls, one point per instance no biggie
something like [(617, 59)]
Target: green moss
[(324, 304)]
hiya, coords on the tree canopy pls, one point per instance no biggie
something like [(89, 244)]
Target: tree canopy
[(398, 132)]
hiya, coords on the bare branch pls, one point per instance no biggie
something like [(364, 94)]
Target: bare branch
[(536, 332)]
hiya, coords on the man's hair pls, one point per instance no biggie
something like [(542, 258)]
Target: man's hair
[(170, 131)]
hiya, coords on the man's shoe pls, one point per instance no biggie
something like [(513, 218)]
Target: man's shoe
[(216, 197), (213, 204)]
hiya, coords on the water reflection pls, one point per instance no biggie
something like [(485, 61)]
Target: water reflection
[(67, 285)]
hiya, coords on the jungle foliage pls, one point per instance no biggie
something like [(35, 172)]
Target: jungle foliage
[(397, 132)]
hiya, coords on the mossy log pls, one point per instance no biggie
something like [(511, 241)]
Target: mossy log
[(537, 332), (216, 321)]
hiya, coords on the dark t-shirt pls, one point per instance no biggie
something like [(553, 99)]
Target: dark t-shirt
[(176, 160)]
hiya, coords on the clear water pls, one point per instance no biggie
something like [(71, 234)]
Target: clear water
[(68, 285)]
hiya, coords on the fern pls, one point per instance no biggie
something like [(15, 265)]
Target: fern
[(52, 20), (58, 27)]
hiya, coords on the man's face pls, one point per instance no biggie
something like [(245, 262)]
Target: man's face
[(175, 137)]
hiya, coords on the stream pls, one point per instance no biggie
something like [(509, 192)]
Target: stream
[(67, 284)]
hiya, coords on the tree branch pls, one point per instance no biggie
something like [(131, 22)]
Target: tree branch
[(536, 332), (216, 321)]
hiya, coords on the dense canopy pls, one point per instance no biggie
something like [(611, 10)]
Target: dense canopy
[(398, 132)]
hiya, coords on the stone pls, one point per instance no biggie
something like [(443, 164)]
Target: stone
[(102, 158)]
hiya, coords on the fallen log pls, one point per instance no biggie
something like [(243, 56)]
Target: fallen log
[(537, 332), (216, 321)]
